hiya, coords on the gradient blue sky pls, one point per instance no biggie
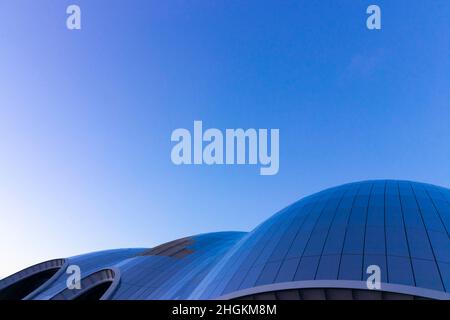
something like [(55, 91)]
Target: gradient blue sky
[(86, 116)]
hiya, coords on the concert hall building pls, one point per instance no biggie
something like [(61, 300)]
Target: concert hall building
[(317, 248)]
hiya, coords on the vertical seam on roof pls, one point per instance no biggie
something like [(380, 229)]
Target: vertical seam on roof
[(312, 231), (346, 229), (385, 236), (295, 237), (406, 234), (436, 209), (365, 232), (328, 231), (264, 235), (428, 237)]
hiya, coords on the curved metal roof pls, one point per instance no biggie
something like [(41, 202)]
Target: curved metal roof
[(325, 241), (334, 235)]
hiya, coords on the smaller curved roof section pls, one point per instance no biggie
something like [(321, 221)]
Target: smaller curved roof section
[(174, 275), (168, 271), (30, 280), (98, 285), (88, 264)]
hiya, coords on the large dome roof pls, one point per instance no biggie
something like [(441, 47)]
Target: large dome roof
[(329, 239)]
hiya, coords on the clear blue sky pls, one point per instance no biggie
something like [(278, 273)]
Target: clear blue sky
[(86, 116)]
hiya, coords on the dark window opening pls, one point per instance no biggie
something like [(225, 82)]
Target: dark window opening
[(96, 292), (93, 287), (25, 286)]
